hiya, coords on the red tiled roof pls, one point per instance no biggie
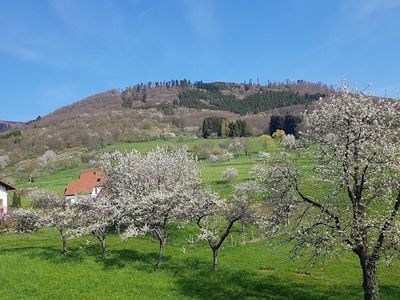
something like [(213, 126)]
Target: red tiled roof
[(88, 180), (6, 185)]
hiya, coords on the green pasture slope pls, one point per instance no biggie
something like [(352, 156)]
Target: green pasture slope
[(32, 266)]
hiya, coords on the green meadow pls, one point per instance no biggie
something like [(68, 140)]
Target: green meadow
[(32, 266)]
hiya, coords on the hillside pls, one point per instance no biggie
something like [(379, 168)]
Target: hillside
[(7, 125), (146, 111)]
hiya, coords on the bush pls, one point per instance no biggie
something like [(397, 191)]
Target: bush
[(86, 157), (204, 151), (230, 174), (263, 155), (213, 158), (237, 147), (227, 156), (21, 221), (265, 141), (168, 135), (289, 141), (148, 125), (279, 134), (178, 122)]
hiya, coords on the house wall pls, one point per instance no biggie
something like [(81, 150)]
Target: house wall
[(72, 199), (96, 191), (3, 200)]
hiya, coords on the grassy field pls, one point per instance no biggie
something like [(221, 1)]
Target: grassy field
[(32, 266)]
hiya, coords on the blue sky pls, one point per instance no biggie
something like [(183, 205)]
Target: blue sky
[(53, 53)]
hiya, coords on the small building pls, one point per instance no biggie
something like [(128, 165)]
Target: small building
[(4, 189), (90, 183)]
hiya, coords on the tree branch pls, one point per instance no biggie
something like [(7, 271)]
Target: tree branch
[(385, 227), (329, 213)]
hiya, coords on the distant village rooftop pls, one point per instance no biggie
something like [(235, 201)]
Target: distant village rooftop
[(90, 182)]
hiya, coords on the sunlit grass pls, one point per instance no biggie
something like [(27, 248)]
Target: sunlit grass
[(32, 266)]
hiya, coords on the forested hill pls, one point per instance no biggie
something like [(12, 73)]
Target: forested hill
[(147, 111), (7, 125), (244, 98)]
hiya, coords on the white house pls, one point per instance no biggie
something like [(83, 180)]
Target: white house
[(4, 188)]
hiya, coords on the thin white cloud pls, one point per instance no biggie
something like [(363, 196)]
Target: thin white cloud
[(202, 17)]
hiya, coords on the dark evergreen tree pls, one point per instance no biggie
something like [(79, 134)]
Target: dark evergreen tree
[(239, 128), (16, 201), (276, 122), (234, 130), (210, 96), (290, 124), (214, 126)]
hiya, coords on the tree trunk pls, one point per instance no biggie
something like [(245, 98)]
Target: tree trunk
[(215, 259), (103, 247), (64, 242), (370, 282), (161, 253)]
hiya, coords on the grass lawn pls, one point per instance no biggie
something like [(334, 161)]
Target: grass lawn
[(211, 173), (32, 266)]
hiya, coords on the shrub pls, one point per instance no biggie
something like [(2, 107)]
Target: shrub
[(265, 141), (230, 174), (203, 151), (237, 147), (178, 122), (86, 157), (263, 155), (279, 134), (213, 158), (227, 156), (21, 221), (148, 125), (168, 135), (289, 141)]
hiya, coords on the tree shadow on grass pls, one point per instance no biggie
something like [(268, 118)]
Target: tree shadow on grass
[(242, 285), (49, 254), (199, 282), (122, 258), (389, 291), (194, 278)]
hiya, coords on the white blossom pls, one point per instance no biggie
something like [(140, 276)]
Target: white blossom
[(96, 216), (354, 139), (151, 190), (213, 158), (230, 174), (21, 221), (289, 141), (55, 212)]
